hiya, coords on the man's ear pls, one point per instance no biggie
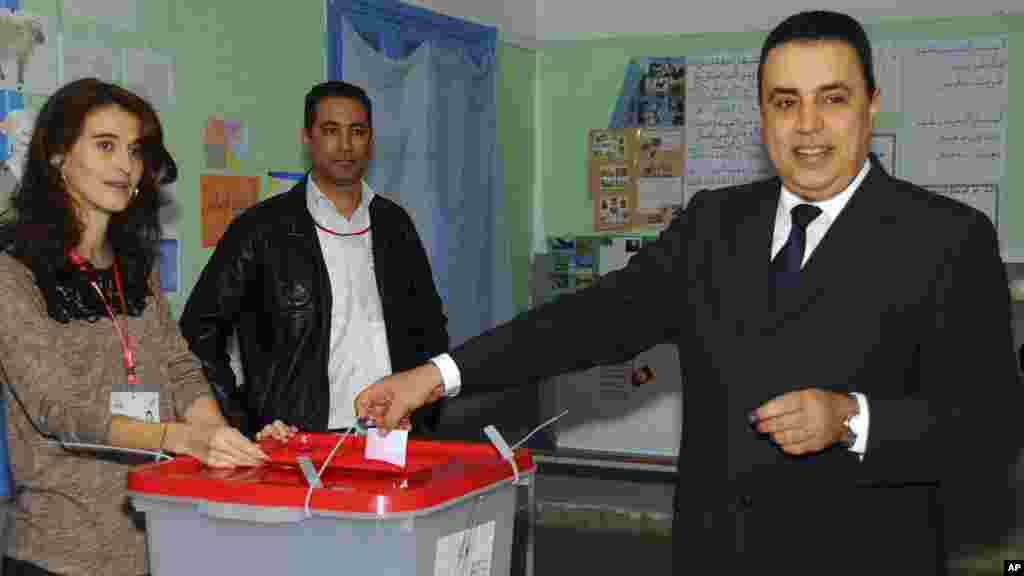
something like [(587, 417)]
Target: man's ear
[(303, 136)]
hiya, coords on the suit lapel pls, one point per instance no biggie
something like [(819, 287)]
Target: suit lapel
[(843, 256), (748, 275)]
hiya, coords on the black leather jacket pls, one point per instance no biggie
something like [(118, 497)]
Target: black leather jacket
[(267, 279)]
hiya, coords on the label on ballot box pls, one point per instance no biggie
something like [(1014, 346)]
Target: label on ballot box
[(466, 553)]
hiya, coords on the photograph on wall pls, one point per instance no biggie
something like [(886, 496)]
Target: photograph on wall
[(611, 161), (562, 259), (608, 145), (612, 212), (613, 177), (584, 263), (653, 94)]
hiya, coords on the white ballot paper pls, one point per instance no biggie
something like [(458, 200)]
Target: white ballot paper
[(390, 448)]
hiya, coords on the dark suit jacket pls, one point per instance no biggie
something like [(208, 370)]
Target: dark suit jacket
[(267, 279), (904, 300)]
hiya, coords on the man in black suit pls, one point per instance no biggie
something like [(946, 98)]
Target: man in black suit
[(845, 338)]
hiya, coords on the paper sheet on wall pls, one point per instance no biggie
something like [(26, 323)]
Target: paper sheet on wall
[(150, 74), (958, 134), (883, 145), (610, 410), (87, 58), (723, 134), (660, 182), (28, 52), (984, 197), (226, 142), (888, 64), (223, 197), (122, 14), (616, 252)]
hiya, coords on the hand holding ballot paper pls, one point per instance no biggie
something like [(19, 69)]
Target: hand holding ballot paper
[(389, 401), (386, 446)]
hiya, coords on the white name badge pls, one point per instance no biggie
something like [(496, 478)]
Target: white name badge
[(139, 402)]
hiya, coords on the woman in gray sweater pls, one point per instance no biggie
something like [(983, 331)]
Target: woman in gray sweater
[(89, 351)]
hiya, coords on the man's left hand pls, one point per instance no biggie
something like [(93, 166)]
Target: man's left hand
[(804, 421)]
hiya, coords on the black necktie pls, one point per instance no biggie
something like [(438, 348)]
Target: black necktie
[(791, 256)]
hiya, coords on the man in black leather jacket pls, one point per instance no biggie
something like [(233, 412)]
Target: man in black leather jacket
[(327, 286)]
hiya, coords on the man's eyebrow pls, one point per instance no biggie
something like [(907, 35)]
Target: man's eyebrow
[(335, 124), (835, 86), (784, 90)]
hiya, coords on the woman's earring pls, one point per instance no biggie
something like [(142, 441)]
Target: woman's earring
[(135, 192)]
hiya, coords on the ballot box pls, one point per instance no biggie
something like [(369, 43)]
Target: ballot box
[(449, 511)]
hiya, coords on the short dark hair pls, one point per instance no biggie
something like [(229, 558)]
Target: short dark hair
[(817, 26), (335, 89)]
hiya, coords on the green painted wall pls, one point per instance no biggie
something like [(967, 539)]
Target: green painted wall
[(231, 60), (256, 66), (516, 104), (579, 83), (234, 59)]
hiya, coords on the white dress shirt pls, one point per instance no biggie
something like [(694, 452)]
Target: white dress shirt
[(358, 347), (830, 210)]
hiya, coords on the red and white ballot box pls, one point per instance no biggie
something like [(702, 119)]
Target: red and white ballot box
[(450, 511)]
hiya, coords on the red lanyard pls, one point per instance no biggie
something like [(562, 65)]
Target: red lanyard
[(336, 233), (127, 350)]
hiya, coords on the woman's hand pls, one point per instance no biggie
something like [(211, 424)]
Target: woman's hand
[(222, 447), (278, 431)]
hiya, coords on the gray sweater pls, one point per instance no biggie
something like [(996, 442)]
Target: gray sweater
[(73, 517)]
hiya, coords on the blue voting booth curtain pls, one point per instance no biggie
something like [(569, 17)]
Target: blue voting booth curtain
[(432, 81)]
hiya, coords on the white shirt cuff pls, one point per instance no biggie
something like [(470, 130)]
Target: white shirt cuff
[(860, 424), (450, 374)]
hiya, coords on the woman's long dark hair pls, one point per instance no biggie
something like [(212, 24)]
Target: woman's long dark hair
[(44, 224)]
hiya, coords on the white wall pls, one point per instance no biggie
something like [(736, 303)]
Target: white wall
[(516, 19), (561, 19), (525, 21)]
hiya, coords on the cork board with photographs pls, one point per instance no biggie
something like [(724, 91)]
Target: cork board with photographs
[(612, 166)]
